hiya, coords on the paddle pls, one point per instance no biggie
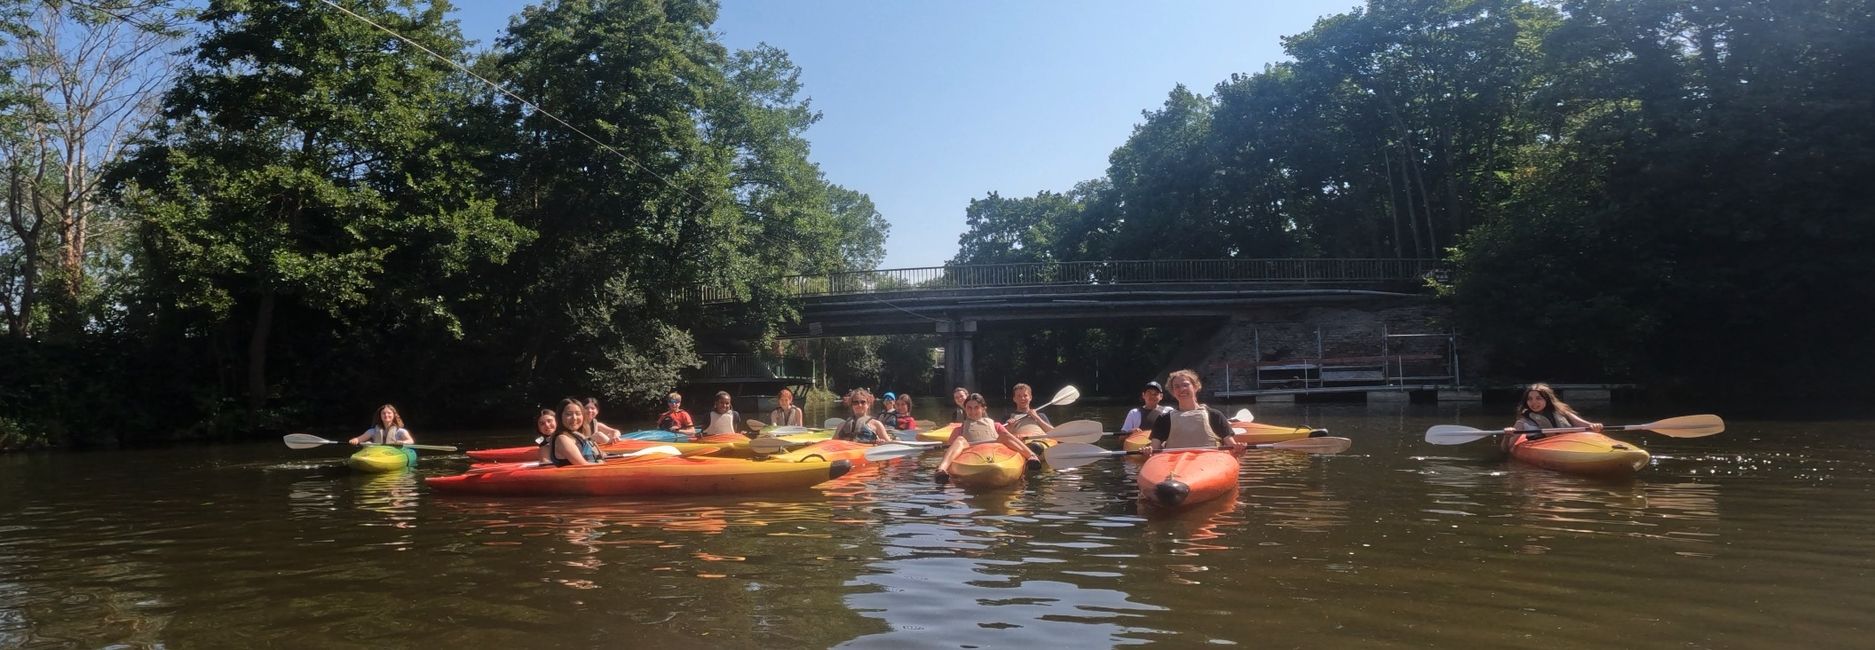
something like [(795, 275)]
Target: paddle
[(1242, 416), (755, 425), (308, 441), (892, 450), (833, 423), (1065, 396), (1076, 431), (1685, 426), (1069, 455)]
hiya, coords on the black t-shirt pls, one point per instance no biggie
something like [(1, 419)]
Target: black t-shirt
[(957, 414), (1220, 425)]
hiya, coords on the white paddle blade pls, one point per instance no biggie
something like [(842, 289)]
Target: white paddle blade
[(755, 425), (1068, 455), (1082, 431), (1455, 434), (1320, 445), (768, 445), (1066, 395), (660, 450), (1243, 415), (305, 441), (832, 423), (787, 431), (892, 450), (1686, 426), (926, 425)]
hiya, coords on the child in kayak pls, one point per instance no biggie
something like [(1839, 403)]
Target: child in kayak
[(602, 434), (978, 428), (905, 421), (545, 424), (888, 409), (675, 418), (1140, 420), (785, 413), (1023, 412), (389, 429), (722, 417), (1191, 425), (572, 440), (1541, 410), (958, 395), (862, 427)]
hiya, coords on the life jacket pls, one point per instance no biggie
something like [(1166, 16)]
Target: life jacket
[(979, 431), (721, 423), (586, 450), (1191, 429), (1149, 417), (788, 418), (957, 414), (378, 436), (857, 430)]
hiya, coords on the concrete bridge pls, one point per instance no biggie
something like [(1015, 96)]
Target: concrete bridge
[(960, 301)]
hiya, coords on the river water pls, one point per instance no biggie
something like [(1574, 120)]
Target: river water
[(1756, 538)]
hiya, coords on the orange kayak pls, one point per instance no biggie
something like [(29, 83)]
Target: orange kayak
[(1180, 478), (1248, 433), (659, 475), (525, 454), (985, 466), (829, 450), (1580, 453)]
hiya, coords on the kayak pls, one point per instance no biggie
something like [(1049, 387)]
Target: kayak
[(986, 465), (1248, 433), (1040, 445), (1182, 478), (524, 454), (659, 435), (826, 450), (654, 475), (940, 434), (382, 458), (1580, 453)]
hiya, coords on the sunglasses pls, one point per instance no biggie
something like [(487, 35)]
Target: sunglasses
[(859, 402), (673, 401)]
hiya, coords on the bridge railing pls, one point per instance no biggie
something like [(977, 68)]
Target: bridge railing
[(746, 366), (1304, 271)]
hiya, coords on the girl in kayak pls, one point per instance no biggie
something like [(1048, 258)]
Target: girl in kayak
[(389, 429), (601, 433), (785, 414), (546, 424), (861, 428), (675, 418), (572, 440), (1141, 419), (978, 428), (722, 418), (905, 421), (958, 395), (1023, 412), (1191, 425), (1541, 410)]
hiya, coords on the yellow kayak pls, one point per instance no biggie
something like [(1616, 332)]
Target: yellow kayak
[(382, 458)]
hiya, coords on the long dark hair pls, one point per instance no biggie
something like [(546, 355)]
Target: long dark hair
[(585, 428), (1556, 406)]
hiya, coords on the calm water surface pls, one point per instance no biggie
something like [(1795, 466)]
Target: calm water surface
[(1756, 538)]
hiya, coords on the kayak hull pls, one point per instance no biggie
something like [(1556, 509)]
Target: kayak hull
[(1247, 433), (382, 458), (1580, 453), (986, 466), (1183, 478), (826, 451), (531, 453), (664, 476), (940, 434)]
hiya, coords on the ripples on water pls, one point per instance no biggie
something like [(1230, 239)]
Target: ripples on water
[(1755, 539)]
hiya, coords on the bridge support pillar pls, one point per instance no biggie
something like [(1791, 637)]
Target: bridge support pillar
[(960, 352)]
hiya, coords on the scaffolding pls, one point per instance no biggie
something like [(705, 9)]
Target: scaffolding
[(1343, 361)]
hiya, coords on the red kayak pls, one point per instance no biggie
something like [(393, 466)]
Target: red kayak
[(663, 475), (525, 454), (1180, 478)]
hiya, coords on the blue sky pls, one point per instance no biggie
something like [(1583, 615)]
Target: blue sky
[(926, 105)]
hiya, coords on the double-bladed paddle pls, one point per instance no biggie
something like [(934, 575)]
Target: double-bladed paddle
[(308, 441), (901, 449), (1075, 431), (1069, 455), (1685, 426)]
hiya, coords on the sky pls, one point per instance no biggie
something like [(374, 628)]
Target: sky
[(926, 105)]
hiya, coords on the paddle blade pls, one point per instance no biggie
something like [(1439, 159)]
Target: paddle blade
[(660, 450), (768, 445), (755, 425), (1686, 426), (1455, 434), (1069, 455), (892, 450), (832, 423), (1242, 416), (926, 425), (1081, 431), (306, 441), (1321, 445), (1066, 395), (787, 431)]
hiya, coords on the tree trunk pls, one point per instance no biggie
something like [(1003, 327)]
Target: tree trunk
[(1393, 210), (19, 315), (257, 353)]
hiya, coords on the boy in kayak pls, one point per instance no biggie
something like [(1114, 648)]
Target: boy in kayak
[(861, 428), (1023, 412), (675, 418), (785, 413), (888, 409), (602, 434), (571, 443), (1541, 410), (978, 428), (722, 417), (389, 429), (1191, 425), (1140, 420)]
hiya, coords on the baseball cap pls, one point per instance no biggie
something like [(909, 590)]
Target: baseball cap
[(1153, 385)]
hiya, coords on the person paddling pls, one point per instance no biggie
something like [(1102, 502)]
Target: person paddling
[(722, 417), (389, 429), (1140, 420), (601, 433), (572, 440), (1541, 410), (978, 428), (785, 413), (862, 427), (1023, 412), (1191, 425), (675, 418)]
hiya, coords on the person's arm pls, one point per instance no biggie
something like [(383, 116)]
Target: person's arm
[(1041, 419), (360, 438), (546, 457), (1220, 427), (1161, 431), (685, 425), (1010, 440), (879, 433), (1131, 425), (403, 437), (569, 449), (1580, 422)]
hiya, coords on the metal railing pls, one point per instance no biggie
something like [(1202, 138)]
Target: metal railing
[(751, 366), (1306, 271)]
